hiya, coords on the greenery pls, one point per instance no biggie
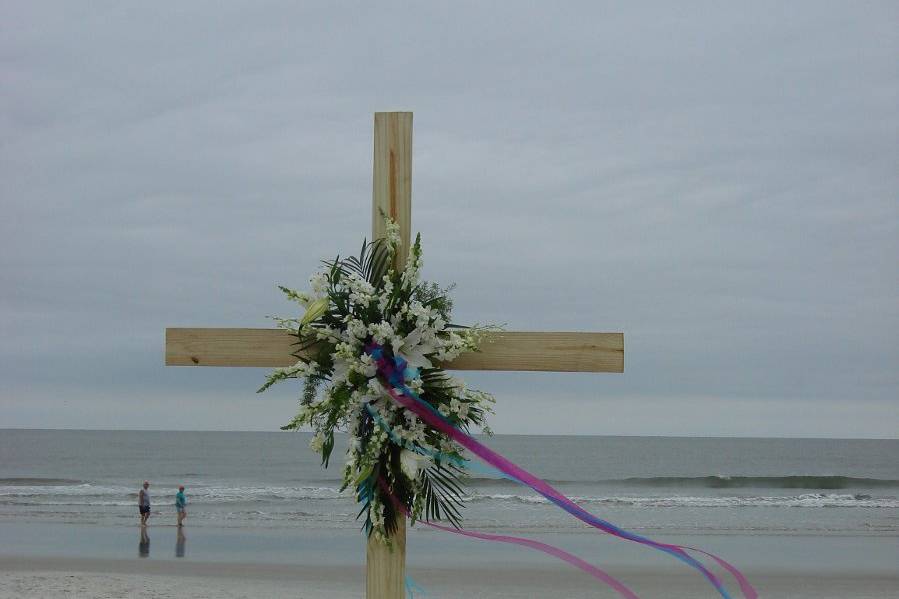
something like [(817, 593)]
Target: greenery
[(393, 456)]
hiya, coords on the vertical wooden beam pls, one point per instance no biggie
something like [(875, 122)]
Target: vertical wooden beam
[(392, 180), (391, 194), (385, 572)]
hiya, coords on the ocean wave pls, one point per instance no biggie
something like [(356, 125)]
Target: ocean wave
[(826, 482), (68, 503), (88, 494), (80, 489), (37, 481), (765, 482), (806, 500)]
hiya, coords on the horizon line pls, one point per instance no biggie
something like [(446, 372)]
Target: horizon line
[(160, 430)]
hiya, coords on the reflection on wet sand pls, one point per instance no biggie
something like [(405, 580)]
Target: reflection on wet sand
[(179, 543), (143, 547)]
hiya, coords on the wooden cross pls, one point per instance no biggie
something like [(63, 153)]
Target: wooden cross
[(556, 352)]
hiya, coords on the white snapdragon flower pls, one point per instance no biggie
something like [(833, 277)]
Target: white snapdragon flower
[(361, 291), (460, 408), (299, 370), (417, 432), (392, 233), (382, 332), (376, 513), (345, 350), (384, 297), (303, 414), (356, 329), (297, 296), (410, 274), (359, 285), (482, 398), (374, 388), (366, 366), (327, 334), (319, 283), (451, 345)]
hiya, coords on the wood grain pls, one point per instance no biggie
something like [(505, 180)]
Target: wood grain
[(506, 350), (546, 352), (385, 572), (385, 576), (392, 177)]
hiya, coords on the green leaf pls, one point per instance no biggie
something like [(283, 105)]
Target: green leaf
[(363, 475)]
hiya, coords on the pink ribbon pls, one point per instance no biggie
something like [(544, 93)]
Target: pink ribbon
[(393, 373), (530, 543)]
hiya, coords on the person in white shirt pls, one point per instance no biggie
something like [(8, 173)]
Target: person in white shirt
[(143, 503)]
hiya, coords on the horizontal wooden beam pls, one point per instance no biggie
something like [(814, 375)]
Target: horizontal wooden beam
[(504, 350), (548, 352)]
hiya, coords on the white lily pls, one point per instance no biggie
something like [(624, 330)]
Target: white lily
[(412, 464), (315, 309), (414, 351)]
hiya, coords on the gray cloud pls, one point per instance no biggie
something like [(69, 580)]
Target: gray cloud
[(719, 183)]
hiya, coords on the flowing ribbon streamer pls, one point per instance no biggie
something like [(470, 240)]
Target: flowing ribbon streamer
[(413, 587), (544, 547), (532, 544), (393, 373)]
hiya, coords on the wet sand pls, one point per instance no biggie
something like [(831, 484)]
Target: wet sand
[(115, 578)]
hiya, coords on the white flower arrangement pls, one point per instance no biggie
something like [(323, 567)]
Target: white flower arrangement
[(361, 300)]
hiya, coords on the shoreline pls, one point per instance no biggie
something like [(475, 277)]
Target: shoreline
[(875, 552), (104, 562), (107, 578)]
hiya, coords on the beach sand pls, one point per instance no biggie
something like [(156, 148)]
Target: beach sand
[(41, 559), (115, 578)]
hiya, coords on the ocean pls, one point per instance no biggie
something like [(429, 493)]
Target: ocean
[(257, 479), (253, 494)]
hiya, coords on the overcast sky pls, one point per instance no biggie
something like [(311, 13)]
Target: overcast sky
[(720, 183)]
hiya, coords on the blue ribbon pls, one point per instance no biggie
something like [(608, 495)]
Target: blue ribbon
[(395, 376), (413, 587)]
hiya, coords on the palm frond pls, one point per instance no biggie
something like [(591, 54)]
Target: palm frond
[(443, 493)]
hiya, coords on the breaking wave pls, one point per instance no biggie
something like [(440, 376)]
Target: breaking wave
[(826, 482), (806, 500), (764, 482), (85, 494)]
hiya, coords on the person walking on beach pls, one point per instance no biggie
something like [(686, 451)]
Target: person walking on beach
[(143, 503), (181, 505)]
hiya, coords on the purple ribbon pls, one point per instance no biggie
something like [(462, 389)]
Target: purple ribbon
[(524, 542), (393, 373)]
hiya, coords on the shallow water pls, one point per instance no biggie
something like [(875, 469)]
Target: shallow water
[(272, 480)]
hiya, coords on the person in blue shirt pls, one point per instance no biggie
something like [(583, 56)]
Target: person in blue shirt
[(181, 505)]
